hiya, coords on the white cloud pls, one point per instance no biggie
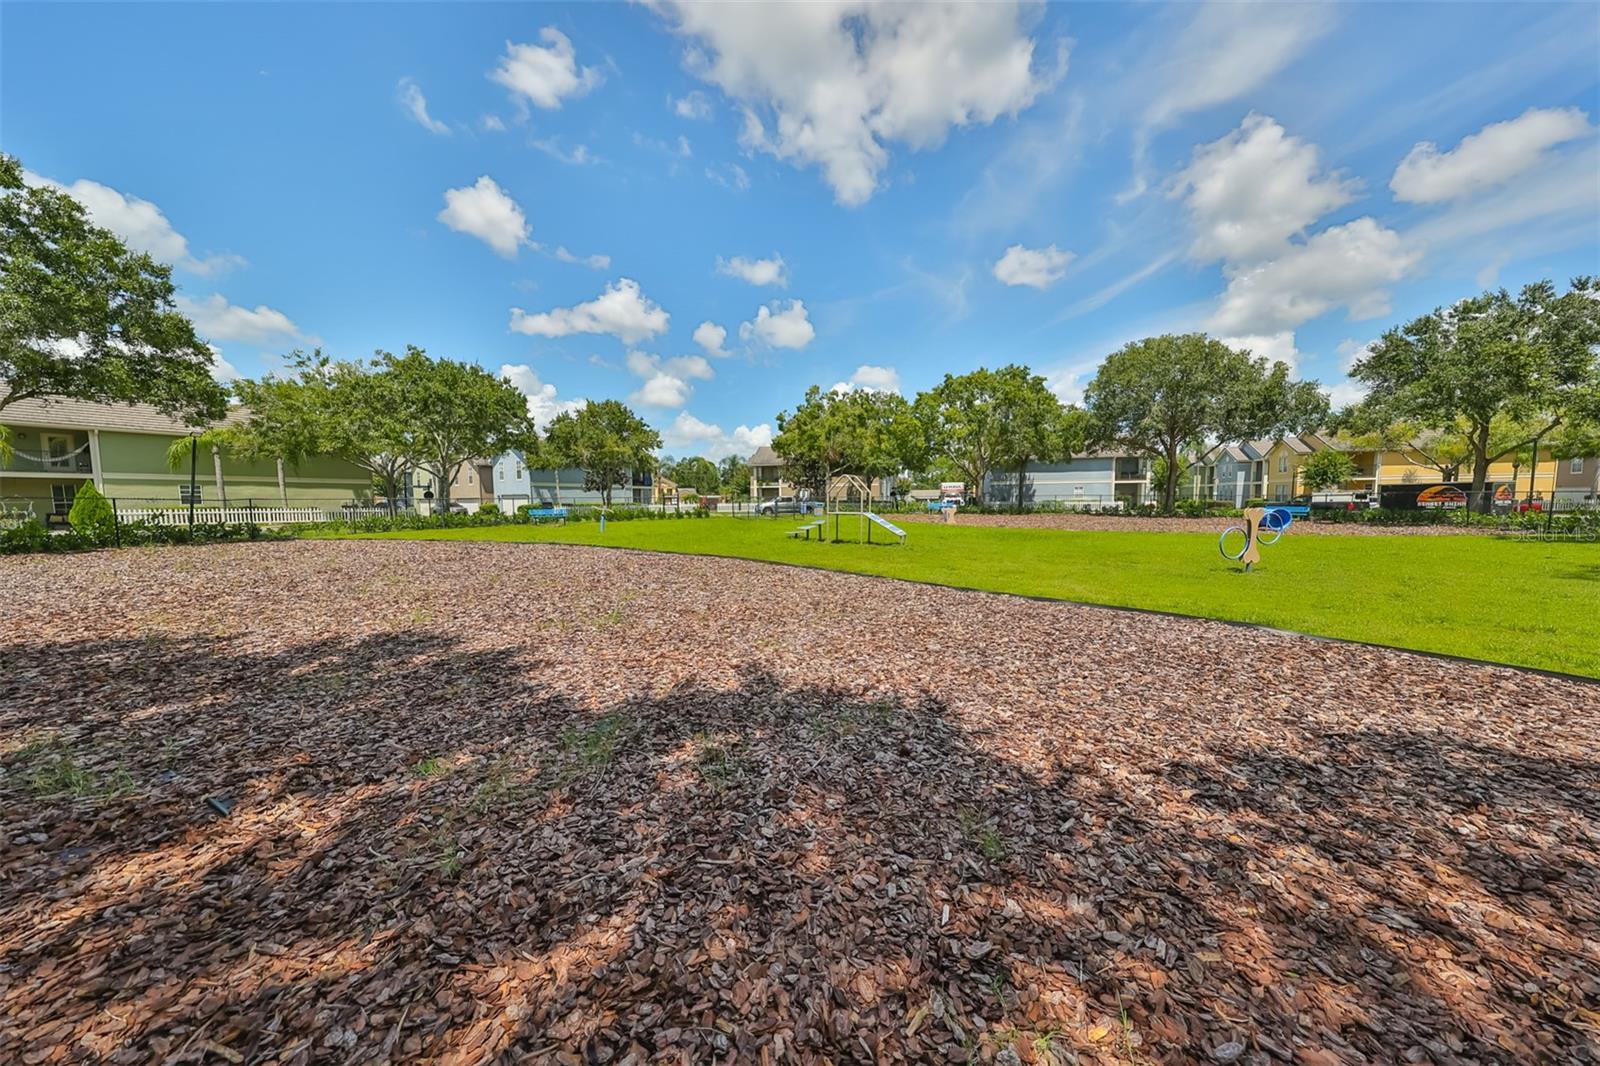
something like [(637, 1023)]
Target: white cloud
[(755, 271), (598, 262), (1492, 156), (139, 223), (222, 370), (686, 433), (622, 311), (789, 328), (543, 404), (729, 176), (577, 157), (544, 75), (869, 378), (416, 105), (492, 123), (216, 319), (1274, 347), (1038, 267), (483, 210), (1346, 265), (1227, 50), (693, 105), (1250, 192), (1344, 393), (711, 336), (831, 84), (1068, 382), (1551, 207), (666, 381)]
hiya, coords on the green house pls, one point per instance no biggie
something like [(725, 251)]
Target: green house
[(59, 445)]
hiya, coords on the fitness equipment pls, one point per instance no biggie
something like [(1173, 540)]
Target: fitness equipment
[(1263, 526)]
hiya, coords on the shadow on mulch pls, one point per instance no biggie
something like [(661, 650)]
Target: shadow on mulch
[(429, 855)]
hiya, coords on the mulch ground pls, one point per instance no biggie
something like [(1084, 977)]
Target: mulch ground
[(1100, 523), (554, 803)]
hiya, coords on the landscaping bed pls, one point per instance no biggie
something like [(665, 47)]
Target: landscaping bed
[(1103, 523), (557, 803)]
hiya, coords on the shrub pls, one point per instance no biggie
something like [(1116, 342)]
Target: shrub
[(1256, 501), (489, 508), (91, 516)]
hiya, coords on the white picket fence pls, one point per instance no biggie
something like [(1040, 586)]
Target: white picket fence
[(261, 516)]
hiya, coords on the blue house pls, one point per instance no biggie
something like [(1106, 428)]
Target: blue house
[(515, 484)]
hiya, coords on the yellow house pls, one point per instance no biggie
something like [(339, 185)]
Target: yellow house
[(1377, 467)]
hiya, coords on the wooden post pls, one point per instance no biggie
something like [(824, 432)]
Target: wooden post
[(1253, 518)]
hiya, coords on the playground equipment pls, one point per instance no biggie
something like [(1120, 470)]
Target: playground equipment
[(1262, 527), (841, 491)]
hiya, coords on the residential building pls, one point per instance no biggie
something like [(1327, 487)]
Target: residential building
[(766, 475), (1577, 480), (514, 484), (60, 445), (1098, 479)]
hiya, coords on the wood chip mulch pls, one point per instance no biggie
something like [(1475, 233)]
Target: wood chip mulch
[(428, 801), (1104, 523)]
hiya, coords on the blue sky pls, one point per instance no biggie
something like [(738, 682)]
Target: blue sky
[(852, 195)]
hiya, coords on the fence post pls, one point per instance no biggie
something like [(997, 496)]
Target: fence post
[(116, 525)]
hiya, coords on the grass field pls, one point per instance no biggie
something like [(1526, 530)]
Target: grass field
[(1520, 603)]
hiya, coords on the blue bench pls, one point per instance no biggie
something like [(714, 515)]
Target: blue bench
[(536, 513)]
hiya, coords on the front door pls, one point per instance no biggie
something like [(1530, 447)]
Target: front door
[(57, 451)]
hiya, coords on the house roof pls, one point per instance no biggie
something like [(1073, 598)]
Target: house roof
[(62, 413), (764, 456)]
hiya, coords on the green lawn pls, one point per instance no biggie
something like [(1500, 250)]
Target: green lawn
[(1525, 604)]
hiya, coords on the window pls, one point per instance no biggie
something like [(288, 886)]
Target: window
[(189, 494), (1576, 467), (1283, 462), (61, 498), (520, 470)]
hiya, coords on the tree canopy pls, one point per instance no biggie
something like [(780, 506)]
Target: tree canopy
[(1486, 363), (868, 434), (605, 440), (449, 412), (1327, 468), (989, 420), (1160, 395), (693, 472), (83, 317)]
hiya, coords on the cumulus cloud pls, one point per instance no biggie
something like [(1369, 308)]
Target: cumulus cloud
[(622, 311), (755, 271), (832, 84), (216, 319), (222, 370), (544, 75), (1492, 156), (1248, 193), (1274, 347), (416, 105), (543, 403), (1036, 267), (788, 328), (666, 381), (483, 210), (692, 105), (1348, 265), (686, 433), (711, 337), (139, 223), (869, 378)]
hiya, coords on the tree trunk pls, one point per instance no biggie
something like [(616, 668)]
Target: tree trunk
[(216, 472), (1169, 482), (1480, 470), (1021, 477), (283, 487), (442, 498)]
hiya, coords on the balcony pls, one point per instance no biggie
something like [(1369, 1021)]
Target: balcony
[(46, 452)]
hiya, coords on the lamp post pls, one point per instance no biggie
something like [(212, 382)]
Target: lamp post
[(194, 452)]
